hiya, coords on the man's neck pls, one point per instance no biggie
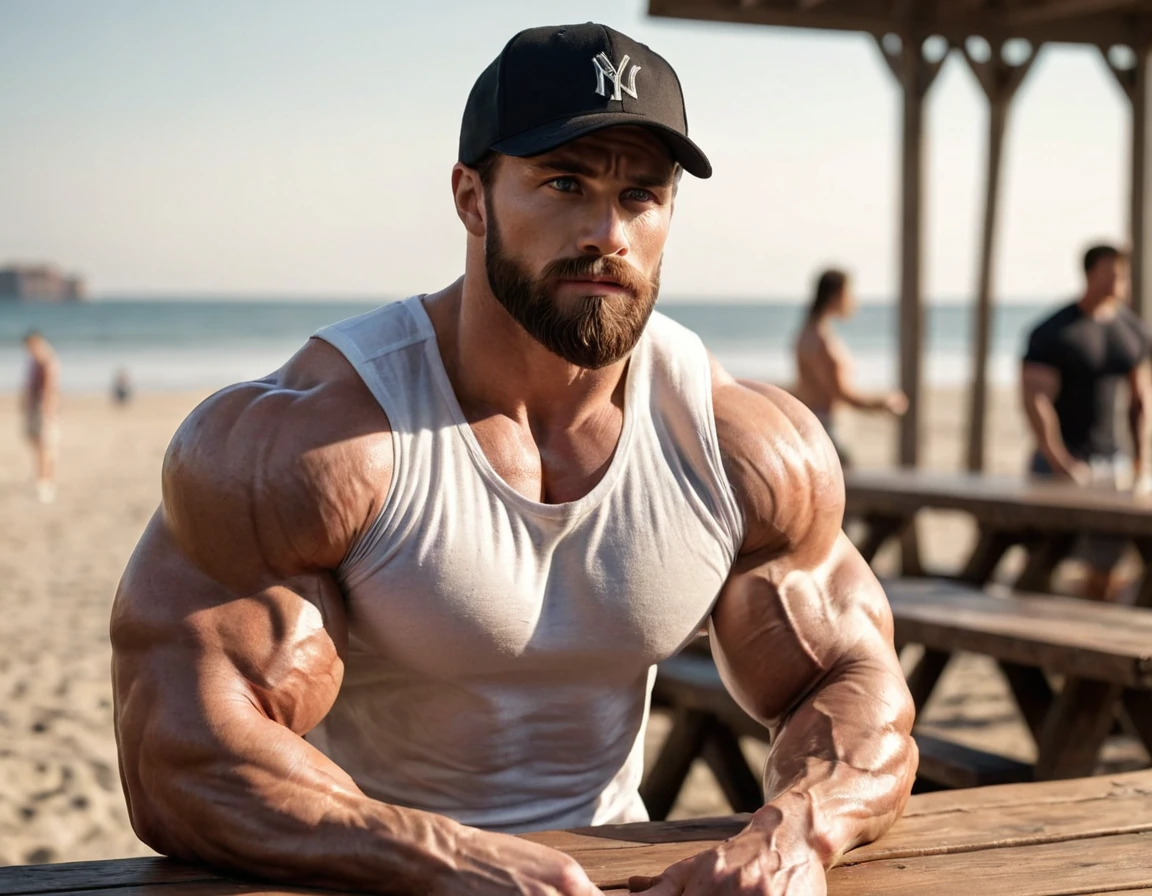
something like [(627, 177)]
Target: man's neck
[(1099, 307), (495, 366)]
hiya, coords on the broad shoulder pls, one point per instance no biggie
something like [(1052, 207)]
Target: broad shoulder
[(780, 463), (287, 471), (1134, 322), (815, 344), (1056, 322)]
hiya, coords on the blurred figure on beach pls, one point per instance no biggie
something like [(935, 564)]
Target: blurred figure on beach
[(121, 388), (41, 404), (1076, 361), (824, 365)]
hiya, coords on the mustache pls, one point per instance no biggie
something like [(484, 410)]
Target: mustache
[(607, 266)]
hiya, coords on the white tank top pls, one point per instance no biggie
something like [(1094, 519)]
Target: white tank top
[(501, 650)]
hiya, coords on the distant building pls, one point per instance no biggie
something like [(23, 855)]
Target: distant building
[(39, 283)]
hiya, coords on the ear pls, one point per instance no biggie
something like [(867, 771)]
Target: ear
[(469, 195)]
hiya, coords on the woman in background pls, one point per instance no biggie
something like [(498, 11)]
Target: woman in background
[(823, 363)]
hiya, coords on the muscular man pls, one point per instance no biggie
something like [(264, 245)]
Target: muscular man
[(405, 596), (1075, 363), (823, 365), (41, 404)]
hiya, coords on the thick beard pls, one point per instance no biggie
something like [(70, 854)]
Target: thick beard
[(596, 330)]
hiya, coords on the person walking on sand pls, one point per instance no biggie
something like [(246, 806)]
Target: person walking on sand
[(406, 595), (1076, 361), (823, 364), (40, 404)]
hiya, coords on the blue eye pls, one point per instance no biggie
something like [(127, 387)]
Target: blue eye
[(639, 195), (564, 184)]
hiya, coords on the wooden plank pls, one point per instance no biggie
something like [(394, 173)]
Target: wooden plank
[(956, 22), (66, 876), (214, 887), (1015, 815), (1048, 869), (1005, 502), (1113, 861), (1104, 642), (1049, 10)]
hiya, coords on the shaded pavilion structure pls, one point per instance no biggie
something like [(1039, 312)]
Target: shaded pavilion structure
[(1000, 40)]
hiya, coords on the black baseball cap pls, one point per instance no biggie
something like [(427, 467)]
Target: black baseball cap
[(552, 85)]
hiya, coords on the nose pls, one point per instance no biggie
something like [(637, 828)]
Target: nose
[(604, 232)]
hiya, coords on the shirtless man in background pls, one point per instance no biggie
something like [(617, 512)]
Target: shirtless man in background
[(41, 405), (404, 597), (824, 366)]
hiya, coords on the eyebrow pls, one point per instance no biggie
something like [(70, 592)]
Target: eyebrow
[(572, 165)]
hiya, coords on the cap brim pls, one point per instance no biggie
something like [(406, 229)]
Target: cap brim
[(556, 133)]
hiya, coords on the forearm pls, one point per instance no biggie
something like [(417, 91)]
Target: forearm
[(1140, 425), (1046, 430), (841, 767), (861, 402), (260, 800)]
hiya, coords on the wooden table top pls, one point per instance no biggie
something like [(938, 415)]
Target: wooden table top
[(1010, 501), (1103, 642), (1087, 836)]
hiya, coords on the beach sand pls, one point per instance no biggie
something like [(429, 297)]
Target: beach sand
[(60, 796)]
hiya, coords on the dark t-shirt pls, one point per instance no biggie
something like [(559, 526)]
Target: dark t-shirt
[(1093, 358)]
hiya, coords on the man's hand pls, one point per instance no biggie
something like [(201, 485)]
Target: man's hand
[(502, 865), (756, 862), (1073, 470), (896, 403)]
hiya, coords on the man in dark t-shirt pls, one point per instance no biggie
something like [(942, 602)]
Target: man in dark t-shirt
[(1076, 361)]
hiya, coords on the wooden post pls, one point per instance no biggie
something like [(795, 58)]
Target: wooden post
[(1000, 80), (915, 75), (1137, 85), (1141, 211)]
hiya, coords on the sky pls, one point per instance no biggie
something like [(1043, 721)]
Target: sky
[(304, 148)]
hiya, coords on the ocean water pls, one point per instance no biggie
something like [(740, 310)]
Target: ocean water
[(169, 344)]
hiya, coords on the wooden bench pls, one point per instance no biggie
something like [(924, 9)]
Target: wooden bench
[(1088, 837), (706, 723), (1104, 651)]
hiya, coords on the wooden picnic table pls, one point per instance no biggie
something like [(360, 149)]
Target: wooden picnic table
[(1103, 652), (1090, 836), (1044, 516)]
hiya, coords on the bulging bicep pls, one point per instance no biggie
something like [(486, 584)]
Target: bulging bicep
[(187, 646), (782, 624)]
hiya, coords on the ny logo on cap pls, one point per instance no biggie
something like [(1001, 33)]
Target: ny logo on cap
[(605, 69)]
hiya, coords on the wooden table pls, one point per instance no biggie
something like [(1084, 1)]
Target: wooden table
[(1090, 836), (1044, 516), (1103, 652)]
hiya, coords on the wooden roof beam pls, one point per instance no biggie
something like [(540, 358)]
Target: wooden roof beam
[(1054, 10)]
